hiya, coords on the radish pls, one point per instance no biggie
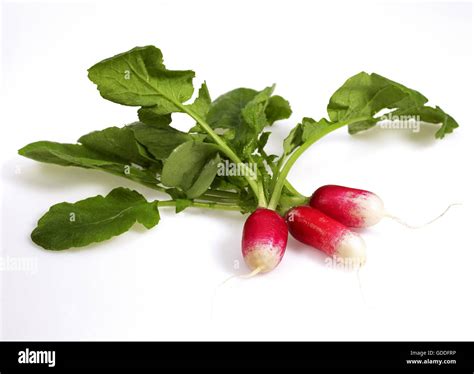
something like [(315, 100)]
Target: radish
[(350, 206), (264, 240), (356, 208), (312, 227)]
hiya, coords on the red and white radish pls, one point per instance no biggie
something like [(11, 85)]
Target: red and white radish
[(312, 227), (356, 208), (264, 240), (350, 206)]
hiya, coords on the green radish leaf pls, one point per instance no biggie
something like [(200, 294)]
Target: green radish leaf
[(139, 78), (53, 153), (182, 204), (247, 202), (116, 143), (80, 156), (191, 167), (242, 114), (152, 117), (293, 140), (159, 141), (225, 183), (263, 139), (205, 178), (254, 111), (95, 219), (157, 165), (269, 159), (430, 115), (201, 105), (226, 112), (302, 132), (277, 109), (365, 95), (311, 127)]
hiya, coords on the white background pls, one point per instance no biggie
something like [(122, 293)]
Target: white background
[(163, 284)]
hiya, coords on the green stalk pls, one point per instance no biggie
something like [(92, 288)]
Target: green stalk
[(224, 148), (211, 195), (262, 200), (216, 199), (288, 185), (196, 204), (280, 161), (293, 190), (223, 194), (275, 170), (297, 153)]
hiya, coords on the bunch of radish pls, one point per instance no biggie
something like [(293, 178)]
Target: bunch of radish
[(325, 224), (220, 162)]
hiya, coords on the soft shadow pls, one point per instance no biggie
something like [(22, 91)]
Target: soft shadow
[(424, 137), (228, 248), (53, 177), (107, 245)]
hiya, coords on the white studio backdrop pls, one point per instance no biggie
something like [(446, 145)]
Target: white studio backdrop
[(163, 284)]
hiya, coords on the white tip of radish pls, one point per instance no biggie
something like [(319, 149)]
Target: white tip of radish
[(352, 248), (263, 257), (370, 208)]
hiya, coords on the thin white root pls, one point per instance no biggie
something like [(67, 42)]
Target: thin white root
[(243, 276), (401, 222), (252, 273)]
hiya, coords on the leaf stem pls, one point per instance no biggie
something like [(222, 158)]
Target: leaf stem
[(293, 190), (223, 146), (298, 152), (261, 197), (262, 200), (220, 193), (217, 199), (197, 204)]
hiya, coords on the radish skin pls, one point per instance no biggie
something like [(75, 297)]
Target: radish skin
[(264, 240), (349, 206), (312, 227)]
